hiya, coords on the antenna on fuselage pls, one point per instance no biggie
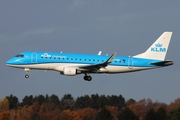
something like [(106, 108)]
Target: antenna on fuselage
[(99, 53), (61, 52)]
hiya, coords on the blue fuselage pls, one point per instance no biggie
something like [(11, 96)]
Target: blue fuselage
[(52, 60)]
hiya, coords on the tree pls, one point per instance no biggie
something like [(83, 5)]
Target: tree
[(104, 114), (127, 114), (102, 102), (174, 105), (174, 114), (5, 115), (116, 101), (4, 104), (33, 111), (47, 98), (130, 101), (88, 113), (49, 111), (82, 102), (177, 101), (114, 110), (161, 114), (66, 115), (151, 115), (138, 109), (67, 101), (39, 99), (94, 101), (13, 101), (27, 100), (54, 99)]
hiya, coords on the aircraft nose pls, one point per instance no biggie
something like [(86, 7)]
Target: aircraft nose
[(14, 61), (9, 62)]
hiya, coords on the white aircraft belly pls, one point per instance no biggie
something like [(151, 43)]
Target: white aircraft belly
[(122, 69)]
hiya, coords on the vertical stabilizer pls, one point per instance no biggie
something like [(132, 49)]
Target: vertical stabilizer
[(158, 49)]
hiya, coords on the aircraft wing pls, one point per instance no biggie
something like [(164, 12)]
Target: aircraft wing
[(96, 67)]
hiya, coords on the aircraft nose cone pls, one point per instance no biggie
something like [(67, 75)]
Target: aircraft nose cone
[(9, 62)]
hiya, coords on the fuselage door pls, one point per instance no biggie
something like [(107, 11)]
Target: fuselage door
[(34, 57), (130, 62)]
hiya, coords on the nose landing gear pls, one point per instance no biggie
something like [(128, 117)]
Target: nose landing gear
[(26, 76), (27, 72)]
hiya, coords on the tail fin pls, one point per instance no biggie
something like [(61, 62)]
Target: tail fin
[(158, 49)]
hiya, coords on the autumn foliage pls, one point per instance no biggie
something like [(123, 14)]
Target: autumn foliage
[(94, 107)]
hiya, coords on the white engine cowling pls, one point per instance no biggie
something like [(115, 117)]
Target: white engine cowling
[(69, 71)]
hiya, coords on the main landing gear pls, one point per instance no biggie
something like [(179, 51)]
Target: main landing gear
[(87, 77), (27, 72)]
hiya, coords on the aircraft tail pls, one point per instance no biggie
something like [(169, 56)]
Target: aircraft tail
[(158, 49)]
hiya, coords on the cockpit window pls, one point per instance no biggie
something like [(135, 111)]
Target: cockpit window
[(20, 55)]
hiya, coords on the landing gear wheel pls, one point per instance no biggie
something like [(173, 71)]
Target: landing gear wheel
[(27, 72), (87, 78), (26, 76)]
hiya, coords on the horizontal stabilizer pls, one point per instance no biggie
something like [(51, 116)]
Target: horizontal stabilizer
[(163, 63)]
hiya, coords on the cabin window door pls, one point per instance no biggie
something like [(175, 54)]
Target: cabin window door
[(34, 57), (130, 63)]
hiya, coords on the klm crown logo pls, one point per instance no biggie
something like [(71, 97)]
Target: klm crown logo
[(158, 48), (158, 45), (45, 55)]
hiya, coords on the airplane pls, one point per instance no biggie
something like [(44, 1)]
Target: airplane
[(69, 64)]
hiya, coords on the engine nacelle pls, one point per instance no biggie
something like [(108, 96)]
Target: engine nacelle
[(69, 71)]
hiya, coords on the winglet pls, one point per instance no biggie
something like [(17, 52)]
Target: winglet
[(111, 58), (98, 66)]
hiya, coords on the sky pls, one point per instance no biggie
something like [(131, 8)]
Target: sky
[(84, 26)]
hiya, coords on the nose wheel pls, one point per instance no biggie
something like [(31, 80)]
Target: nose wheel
[(27, 72), (26, 76), (87, 77)]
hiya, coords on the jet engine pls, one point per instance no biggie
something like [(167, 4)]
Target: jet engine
[(70, 71)]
